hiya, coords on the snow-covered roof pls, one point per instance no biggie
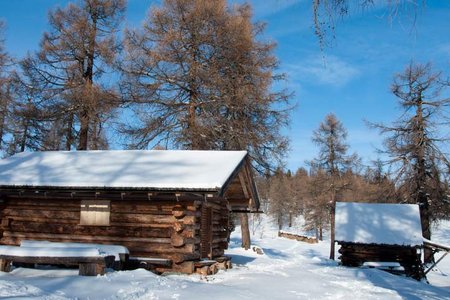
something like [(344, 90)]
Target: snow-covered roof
[(378, 223), (150, 169)]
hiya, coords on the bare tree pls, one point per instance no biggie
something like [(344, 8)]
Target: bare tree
[(327, 12), (78, 50), (415, 141), (5, 88)]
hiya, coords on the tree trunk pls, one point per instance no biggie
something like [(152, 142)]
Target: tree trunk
[(84, 130), (69, 132), (333, 212), (316, 229), (290, 220), (426, 232), (245, 231), (421, 180), (280, 221)]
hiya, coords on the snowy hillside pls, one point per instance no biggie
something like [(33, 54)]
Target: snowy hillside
[(288, 270)]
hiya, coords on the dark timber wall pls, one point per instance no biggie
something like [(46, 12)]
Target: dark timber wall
[(355, 255)]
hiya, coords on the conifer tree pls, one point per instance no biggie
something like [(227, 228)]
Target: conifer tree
[(65, 73), (417, 140)]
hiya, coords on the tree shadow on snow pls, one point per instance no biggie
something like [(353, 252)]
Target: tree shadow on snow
[(405, 287), (273, 253), (241, 259)]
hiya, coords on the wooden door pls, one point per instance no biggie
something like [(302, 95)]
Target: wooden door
[(206, 232)]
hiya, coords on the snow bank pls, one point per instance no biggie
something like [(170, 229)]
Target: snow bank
[(133, 168), (376, 223), (50, 252)]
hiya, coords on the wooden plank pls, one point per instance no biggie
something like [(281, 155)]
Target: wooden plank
[(68, 203), (136, 231), (50, 236), (152, 260), (46, 214), (44, 220), (134, 247), (143, 218), (46, 260)]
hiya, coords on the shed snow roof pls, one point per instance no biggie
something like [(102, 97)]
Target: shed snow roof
[(376, 223), (150, 169)]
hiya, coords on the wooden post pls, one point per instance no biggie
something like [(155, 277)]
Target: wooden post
[(332, 227), (5, 265), (186, 267), (245, 231), (91, 269)]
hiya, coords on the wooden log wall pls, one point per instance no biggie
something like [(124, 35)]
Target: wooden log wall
[(160, 229), (2, 206), (355, 255), (146, 228), (219, 226)]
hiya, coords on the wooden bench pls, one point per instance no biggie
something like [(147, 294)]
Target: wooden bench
[(89, 260), (88, 266), (120, 252)]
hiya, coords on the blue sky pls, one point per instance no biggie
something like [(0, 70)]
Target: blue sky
[(351, 78)]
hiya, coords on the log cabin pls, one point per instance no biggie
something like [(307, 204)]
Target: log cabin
[(380, 233), (160, 204)]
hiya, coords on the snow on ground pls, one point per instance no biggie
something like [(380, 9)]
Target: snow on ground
[(288, 270)]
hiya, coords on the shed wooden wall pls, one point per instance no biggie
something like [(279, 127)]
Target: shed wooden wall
[(162, 229), (355, 255)]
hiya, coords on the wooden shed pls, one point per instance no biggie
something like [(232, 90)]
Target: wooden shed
[(159, 204), (380, 233)]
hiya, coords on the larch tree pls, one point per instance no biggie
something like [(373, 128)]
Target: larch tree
[(416, 141), (66, 72), (280, 197), (5, 89), (197, 78), (327, 12), (330, 137)]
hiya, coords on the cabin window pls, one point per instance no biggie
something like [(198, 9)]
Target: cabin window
[(95, 213)]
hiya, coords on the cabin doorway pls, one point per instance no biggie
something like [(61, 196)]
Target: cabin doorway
[(206, 232)]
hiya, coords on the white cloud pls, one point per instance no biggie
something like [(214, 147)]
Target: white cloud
[(263, 9), (329, 70)]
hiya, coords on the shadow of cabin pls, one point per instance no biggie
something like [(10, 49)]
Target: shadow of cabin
[(380, 233), (171, 205)]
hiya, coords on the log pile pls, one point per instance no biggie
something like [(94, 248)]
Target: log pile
[(297, 237)]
